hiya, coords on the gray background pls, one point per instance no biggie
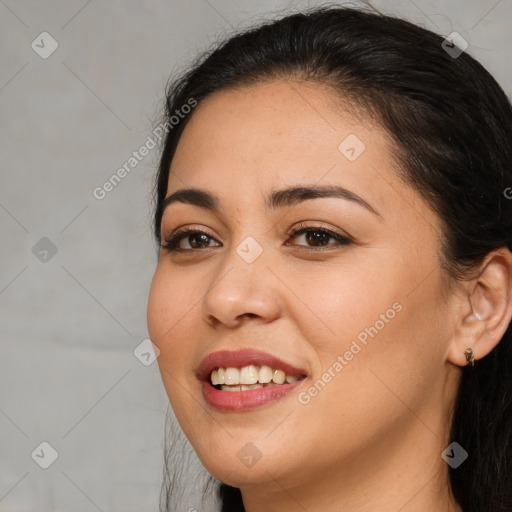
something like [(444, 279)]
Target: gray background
[(70, 321)]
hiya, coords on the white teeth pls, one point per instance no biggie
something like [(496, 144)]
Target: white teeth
[(242, 387), (230, 388), (279, 376), (249, 377), (232, 376), (265, 374)]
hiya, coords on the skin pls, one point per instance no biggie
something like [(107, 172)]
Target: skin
[(372, 439)]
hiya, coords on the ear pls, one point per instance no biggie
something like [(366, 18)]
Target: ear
[(486, 310)]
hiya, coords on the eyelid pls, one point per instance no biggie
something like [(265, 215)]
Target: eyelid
[(302, 226)]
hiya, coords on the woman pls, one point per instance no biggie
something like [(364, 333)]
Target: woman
[(332, 301)]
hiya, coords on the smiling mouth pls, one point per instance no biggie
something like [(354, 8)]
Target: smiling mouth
[(250, 377)]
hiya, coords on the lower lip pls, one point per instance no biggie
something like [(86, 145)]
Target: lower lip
[(246, 400)]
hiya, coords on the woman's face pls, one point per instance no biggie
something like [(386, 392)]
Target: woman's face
[(364, 320)]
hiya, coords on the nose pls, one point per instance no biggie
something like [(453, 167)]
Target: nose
[(239, 291)]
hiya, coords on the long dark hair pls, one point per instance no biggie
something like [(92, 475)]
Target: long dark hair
[(451, 124)]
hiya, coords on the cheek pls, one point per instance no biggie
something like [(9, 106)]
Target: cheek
[(349, 304), (171, 324), (168, 305), (170, 318), (370, 335)]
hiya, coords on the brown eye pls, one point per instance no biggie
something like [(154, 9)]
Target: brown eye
[(197, 240), (317, 237)]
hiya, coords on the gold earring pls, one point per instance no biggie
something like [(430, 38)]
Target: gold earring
[(470, 356)]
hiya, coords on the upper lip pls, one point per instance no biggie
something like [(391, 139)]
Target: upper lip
[(240, 358)]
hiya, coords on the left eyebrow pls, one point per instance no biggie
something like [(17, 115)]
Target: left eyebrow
[(276, 199)]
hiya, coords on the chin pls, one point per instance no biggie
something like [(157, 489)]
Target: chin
[(237, 474)]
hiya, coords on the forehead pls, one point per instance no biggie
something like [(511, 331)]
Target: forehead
[(277, 131)]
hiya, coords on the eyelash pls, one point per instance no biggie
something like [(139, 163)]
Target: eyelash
[(171, 243)]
